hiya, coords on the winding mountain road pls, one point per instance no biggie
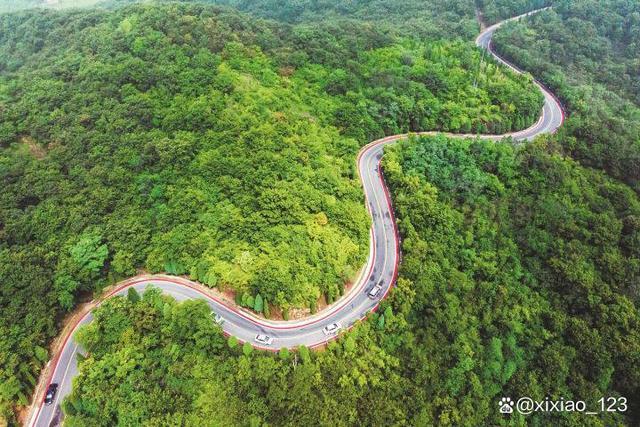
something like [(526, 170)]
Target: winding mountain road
[(381, 268)]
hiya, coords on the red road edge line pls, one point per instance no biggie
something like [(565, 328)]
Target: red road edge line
[(536, 81), (396, 234)]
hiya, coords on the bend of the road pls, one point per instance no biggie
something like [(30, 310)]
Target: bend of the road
[(381, 268)]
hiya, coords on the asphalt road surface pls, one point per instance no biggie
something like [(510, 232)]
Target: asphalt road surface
[(381, 268)]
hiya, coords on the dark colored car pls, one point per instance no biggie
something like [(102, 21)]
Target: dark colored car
[(51, 393)]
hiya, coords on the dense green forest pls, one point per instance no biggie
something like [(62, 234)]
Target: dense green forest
[(525, 265), (195, 140), (497, 10), (587, 52), (518, 279), (16, 5), (436, 19)]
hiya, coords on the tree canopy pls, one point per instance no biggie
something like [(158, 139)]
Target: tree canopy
[(195, 140), (519, 278), (587, 52)]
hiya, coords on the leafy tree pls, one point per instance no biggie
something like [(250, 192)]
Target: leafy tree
[(186, 138), (258, 305), (304, 353), (265, 309), (599, 40), (247, 349), (380, 323), (132, 295), (284, 353), (232, 342)]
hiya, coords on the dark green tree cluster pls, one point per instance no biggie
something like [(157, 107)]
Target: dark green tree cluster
[(587, 52), (435, 19), (198, 141), (497, 10), (522, 268), (520, 271)]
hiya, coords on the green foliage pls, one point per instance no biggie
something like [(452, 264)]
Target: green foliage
[(518, 254), (155, 347), (526, 285), (497, 10), (132, 295), (232, 342), (80, 267), (239, 298), (258, 305), (189, 139), (247, 349), (265, 309), (245, 300), (596, 76), (236, 137), (305, 354), (380, 322), (173, 351), (415, 18), (88, 256), (284, 353)]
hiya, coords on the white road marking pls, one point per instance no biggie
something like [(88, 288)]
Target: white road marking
[(61, 384)]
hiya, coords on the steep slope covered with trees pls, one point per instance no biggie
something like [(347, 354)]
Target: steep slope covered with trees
[(518, 279), (418, 19), (587, 52), (195, 140), (497, 10), (525, 265), (520, 269)]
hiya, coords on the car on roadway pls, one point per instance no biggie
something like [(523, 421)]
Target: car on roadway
[(264, 339), (332, 329), (217, 318), (51, 393), (374, 292)]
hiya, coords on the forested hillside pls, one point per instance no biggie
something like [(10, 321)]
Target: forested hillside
[(16, 5), (436, 19), (195, 140), (497, 10), (523, 270), (587, 52), (519, 279)]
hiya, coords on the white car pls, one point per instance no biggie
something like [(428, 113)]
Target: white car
[(217, 318), (332, 329), (264, 339), (373, 293)]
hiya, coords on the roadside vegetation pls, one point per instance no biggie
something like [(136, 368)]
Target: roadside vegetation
[(497, 10), (518, 280), (587, 53), (520, 272), (198, 141)]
